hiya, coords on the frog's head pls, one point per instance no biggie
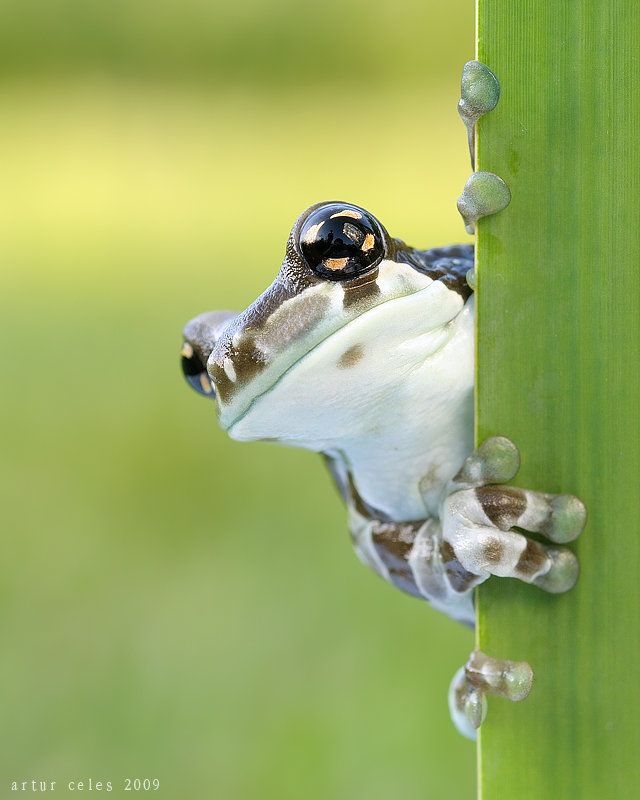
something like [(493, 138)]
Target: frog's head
[(349, 313)]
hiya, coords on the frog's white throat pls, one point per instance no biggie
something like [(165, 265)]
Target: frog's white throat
[(390, 394)]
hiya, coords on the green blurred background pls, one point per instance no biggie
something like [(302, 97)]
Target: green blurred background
[(174, 604)]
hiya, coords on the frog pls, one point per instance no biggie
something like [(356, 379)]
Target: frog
[(362, 350)]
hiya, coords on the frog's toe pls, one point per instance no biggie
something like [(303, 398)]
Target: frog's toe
[(480, 514), (467, 705), (483, 675), (479, 94), (563, 573), (484, 194), (561, 518), (497, 460), (566, 519)]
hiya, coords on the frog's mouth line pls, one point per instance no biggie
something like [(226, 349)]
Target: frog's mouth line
[(283, 374)]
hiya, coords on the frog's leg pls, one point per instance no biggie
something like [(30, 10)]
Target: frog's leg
[(480, 676), (478, 518), (413, 558)]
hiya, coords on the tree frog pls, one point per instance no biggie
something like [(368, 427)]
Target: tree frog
[(362, 349)]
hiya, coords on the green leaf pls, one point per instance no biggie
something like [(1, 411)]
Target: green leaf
[(559, 373)]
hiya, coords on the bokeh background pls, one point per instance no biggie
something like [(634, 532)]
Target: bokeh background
[(174, 604)]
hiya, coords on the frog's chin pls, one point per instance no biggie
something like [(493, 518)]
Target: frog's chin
[(360, 378)]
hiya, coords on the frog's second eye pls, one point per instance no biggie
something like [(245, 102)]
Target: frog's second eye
[(340, 242), (195, 371)]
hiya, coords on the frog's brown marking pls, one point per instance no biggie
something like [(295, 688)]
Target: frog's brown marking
[(503, 505), (493, 551), (244, 353), (533, 559), (248, 360), (449, 265), (362, 288), (459, 578), (395, 540), (493, 675), (430, 480), (305, 312), (393, 543), (357, 501), (351, 356)]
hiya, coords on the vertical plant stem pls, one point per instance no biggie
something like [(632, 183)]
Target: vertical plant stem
[(559, 373)]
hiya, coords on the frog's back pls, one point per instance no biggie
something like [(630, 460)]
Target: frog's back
[(449, 264)]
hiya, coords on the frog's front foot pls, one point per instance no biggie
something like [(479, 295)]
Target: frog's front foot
[(479, 516), (480, 676)]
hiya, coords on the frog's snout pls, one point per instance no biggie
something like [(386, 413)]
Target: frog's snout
[(200, 337), (195, 372)]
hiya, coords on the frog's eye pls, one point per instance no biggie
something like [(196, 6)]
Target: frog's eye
[(340, 242), (195, 371)]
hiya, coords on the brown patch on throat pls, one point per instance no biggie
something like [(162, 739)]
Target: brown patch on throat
[(351, 356)]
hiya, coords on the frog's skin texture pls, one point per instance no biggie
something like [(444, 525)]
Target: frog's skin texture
[(362, 349)]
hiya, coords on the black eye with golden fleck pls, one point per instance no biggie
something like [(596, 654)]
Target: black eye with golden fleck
[(340, 242), (195, 371)]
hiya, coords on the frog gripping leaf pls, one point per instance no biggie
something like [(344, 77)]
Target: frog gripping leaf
[(362, 349)]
